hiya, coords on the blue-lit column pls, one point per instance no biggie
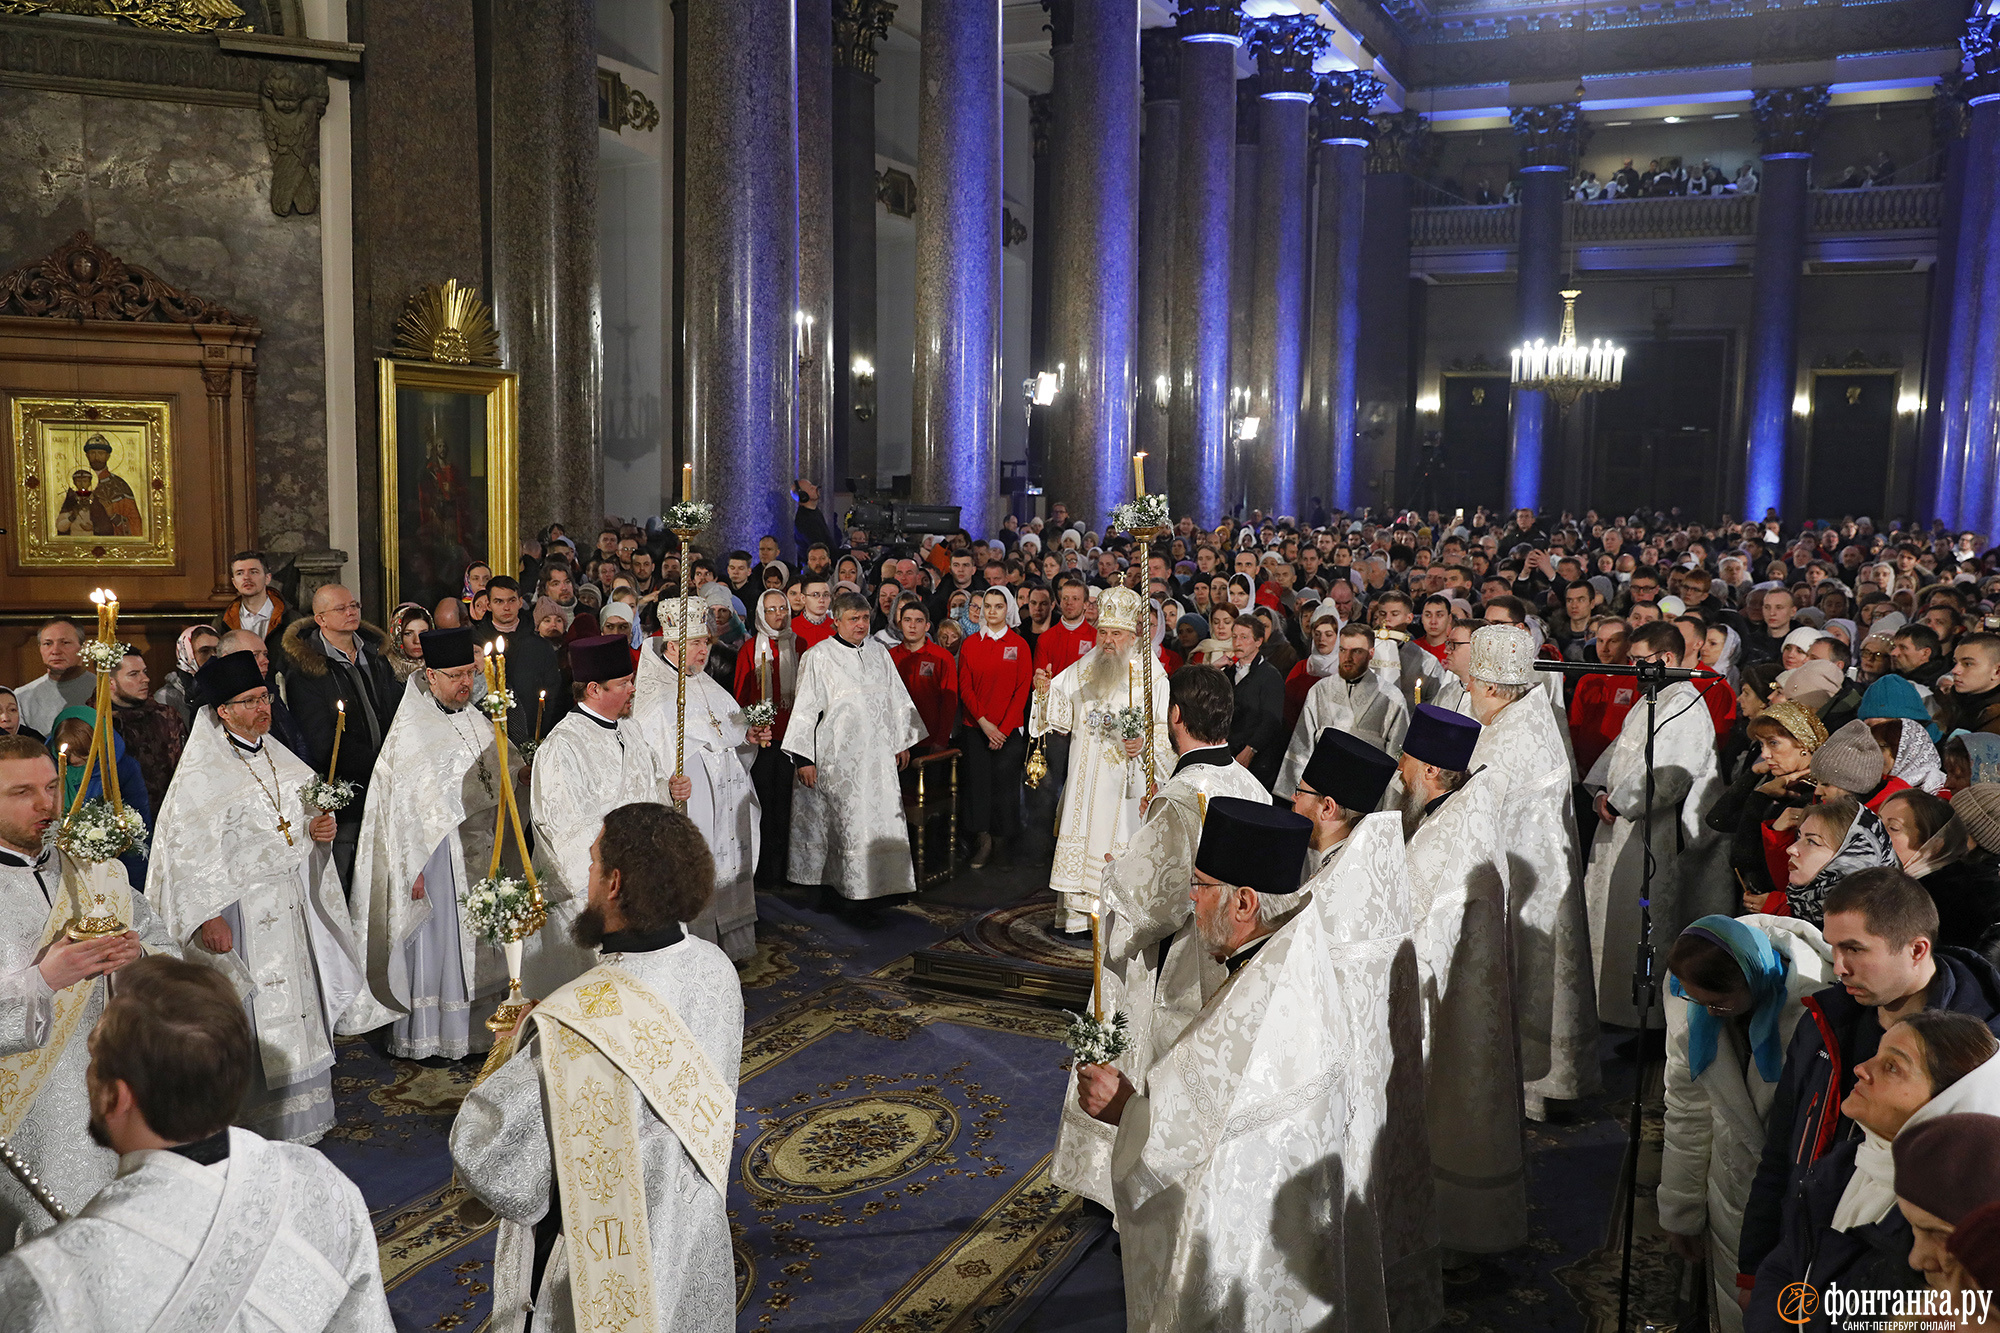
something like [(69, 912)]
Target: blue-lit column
[(954, 421), (1243, 278), (1199, 420), (1947, 358), (1095, 282), (1974, 408), (1285, 48), (1159, 170), (742, 262), (1787, 121), (1384, 378), (1547, 138), (1345, 128)]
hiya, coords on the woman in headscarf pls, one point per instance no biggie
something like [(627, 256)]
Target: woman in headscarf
[(726, 636), (769, 670), (1909, 753), (1892, 696), (69, 746), (1720, 648), (847, 569), (1242, 593), (405, 650), (1736, 988), (1216, 648), (776, 574), (477, 575), (1937, 850), (1836, 839), (1948, 1189), (1192, 628), (1969, 757), (1784, 737), (10, 717), (192, 650)]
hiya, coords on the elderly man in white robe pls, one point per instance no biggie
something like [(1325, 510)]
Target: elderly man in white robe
[(1458, 892), (620, 1106), (1554, 989), (1107, 777), (206, 1227), (591, 762), (1156, 971), (1272, 1174), (1342, 785), (850, 733), (1354, 700), (241, 873), (427, 835), (715, 782), (1685, 782), (52, 989)]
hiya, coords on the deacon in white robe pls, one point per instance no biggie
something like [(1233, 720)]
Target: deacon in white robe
[(51, 992), (1156, 971), (1343, 783), (1353, 700), (1686, 777), (1554, 994), (241, 874), (223, 1232), (637, 1062), (590, 763), (851, 730), (426, 836), (715, 782), (1107, 777)]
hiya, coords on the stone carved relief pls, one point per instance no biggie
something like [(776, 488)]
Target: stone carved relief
[(291, 103), (1551, 135), (1013, 231), (1402, 142), (1344, 105), (80, 280), (1285, 48), (1980, 45), (619, 105), (165, 15), (857, 26), (1788, 119)]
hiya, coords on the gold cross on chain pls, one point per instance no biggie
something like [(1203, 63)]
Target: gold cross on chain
[(285, 827)]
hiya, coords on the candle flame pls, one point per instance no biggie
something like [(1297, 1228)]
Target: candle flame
[(499, 644), (340, 704), (97, 596)]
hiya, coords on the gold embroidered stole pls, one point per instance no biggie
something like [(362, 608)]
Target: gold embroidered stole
[(605, 1024), (23, 1073)]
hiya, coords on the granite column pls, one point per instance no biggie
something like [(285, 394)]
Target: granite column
[(955, 427), (1041, 129), (1971, 396), (1344, 102), (742, 254), (1159, 169), (1384, 382), (1243, 290), (1547, 137), (857, 26), (542, 210), (1198, 439), (1787, 121), (1954, 280), (813, 321)]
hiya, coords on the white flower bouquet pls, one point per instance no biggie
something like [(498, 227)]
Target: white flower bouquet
[(96, 832), (760, 714), (328, 794), (690, 515), (1148, 511), (1097, 1041), (501, 910), (497, 703), (525, 751), (101, 656), (1133, 722)]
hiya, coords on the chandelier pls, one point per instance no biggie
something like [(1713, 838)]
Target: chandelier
[(1566, 371)]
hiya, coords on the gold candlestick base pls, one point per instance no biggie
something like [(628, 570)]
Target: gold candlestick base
[(100, 924), (509, 1013)]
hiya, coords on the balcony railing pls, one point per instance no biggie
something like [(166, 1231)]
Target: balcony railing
[(1689, 217)]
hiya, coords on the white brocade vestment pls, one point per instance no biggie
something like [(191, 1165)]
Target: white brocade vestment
[(1101, 796), (722, 803), (500, 1144), (1363, 708), (1147, 915), (219, 850), (585, 769), (271, 1239), (1685, 782), (1554, 998), (851, 719), (54, 1137), (432, 800)]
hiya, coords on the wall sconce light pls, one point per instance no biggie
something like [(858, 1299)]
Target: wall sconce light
[(1801, 405), (1043, 388), (1163, 392), (1428, 405), (1910, 404), (803, 324), (864, 388), (1246, 429)]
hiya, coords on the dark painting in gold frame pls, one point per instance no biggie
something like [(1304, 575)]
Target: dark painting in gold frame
[(450, 489)]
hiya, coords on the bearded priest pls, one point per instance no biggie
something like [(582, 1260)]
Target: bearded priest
[(619, 1106), (1156, 971), (52, 990), (715, 783), (426, 836), (1555, 996), (1354, 700), (851, 731), (1106, 781), (241, 872), (590, 763)]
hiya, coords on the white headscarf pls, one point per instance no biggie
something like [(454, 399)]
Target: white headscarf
[(1917, 759), (777, 644), (1013, 612), (1871, 1190)]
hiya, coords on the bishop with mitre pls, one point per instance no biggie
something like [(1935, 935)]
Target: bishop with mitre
[(241, 873)]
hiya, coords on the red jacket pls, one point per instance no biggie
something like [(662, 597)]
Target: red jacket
[(811, 635), (750, 691), (931, 676), (1596, 713), (994, 679), (1721, 701), (1298, 684), (1060, 647)]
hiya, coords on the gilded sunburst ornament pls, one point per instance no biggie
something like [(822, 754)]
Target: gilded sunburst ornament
[(448, 323)]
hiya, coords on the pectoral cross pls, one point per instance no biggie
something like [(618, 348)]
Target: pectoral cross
[(285, 827)]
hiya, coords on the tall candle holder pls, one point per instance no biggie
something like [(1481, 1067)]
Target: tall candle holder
[(96, 833), (687, 520)]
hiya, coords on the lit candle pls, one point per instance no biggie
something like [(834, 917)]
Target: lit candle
[(687, 481), (500, 661), (111, 608), (541, 704), (1139, 472), (339, 727), (1096, 971), (97, 600), (764, 678)]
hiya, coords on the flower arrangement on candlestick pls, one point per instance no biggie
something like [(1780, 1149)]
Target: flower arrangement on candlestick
[(328, 794), (504, 909), (1133, 722), (690, 516), (97, 832), (760, 714), (1147, 511), (497, 704), (1097, 1041)]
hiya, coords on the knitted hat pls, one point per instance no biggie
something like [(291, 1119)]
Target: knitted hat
[(1803, 639), (544, 606), (1975, 1243), (1850, 760), (1118, 608), (1811, 684), (1978, 808), (1501, 655), (1951, 1165)]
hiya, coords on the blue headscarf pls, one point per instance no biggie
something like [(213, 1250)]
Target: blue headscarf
[(1892, 696), (1764, 968), (1983, 750)]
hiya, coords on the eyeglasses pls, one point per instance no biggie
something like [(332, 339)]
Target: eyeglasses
[(340, 610)]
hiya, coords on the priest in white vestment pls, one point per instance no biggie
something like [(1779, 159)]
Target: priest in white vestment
[(1458, 892), (207, 1228), (1107, 777), (636, 1061), (715, 781), (1343, 783), (428, 834), (1686, 779), (1156, 971), (52, 990), (241, 873), (1555, 996), (591, 762), (1354, 700), (850, 733)]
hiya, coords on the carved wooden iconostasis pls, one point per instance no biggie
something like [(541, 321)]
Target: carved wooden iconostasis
[(128, 441)]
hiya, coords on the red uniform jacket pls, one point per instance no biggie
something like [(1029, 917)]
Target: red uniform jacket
[(994, 679), (1715, 692), (1298, 684), (1596, 713), (1061, 647), (810, 634), (931, 676)]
